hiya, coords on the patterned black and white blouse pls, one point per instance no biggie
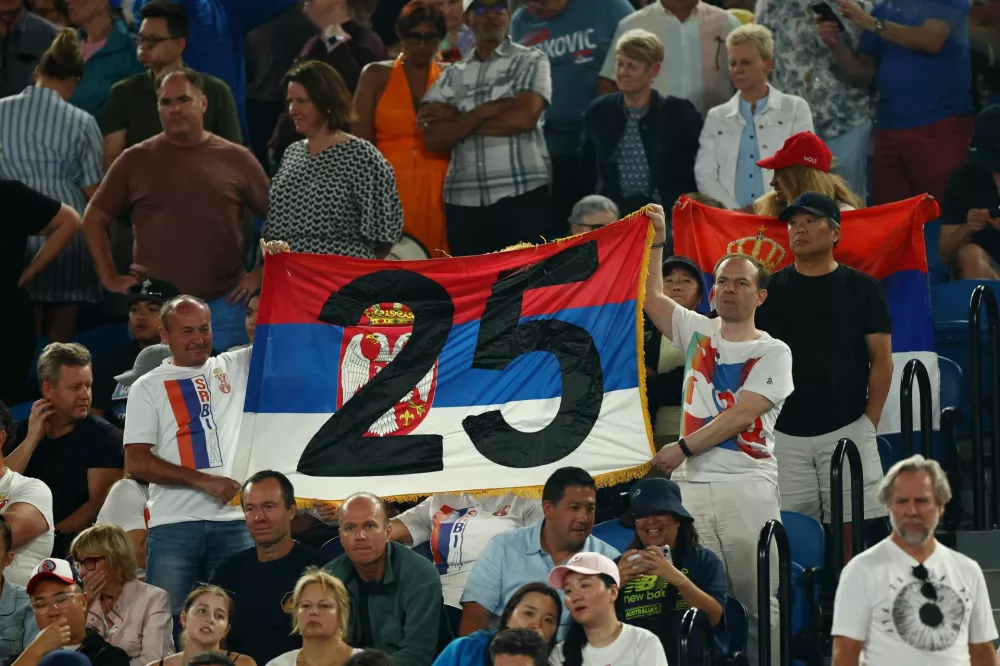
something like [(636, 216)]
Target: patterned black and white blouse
[(341, 201)]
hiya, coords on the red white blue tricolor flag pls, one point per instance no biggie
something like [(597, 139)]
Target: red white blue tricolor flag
[(443, 375), (887, 242)]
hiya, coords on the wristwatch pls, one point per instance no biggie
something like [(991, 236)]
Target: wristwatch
[(879, 26), (684, 448)]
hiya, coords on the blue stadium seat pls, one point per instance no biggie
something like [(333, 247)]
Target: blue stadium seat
[(332, 549), (613, 533), (102, 338), (21, 411), (806, 539), (737, 623), (885, 453), (952, 383)]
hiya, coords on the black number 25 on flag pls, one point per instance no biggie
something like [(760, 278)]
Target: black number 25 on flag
[(407, 378)]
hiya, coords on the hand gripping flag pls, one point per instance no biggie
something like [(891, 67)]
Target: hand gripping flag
[(446, 375), (887, 242)]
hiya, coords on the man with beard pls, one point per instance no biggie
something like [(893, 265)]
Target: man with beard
[(262, 579), (528, 554), (910, 599), (76, 454)]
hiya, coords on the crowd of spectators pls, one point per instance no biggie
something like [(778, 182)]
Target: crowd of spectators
[(146, 146)]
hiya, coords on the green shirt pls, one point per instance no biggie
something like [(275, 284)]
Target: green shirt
[(131, 106), (405, 610)]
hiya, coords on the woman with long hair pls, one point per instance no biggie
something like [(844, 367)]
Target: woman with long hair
[(205, 620), (56, 149), (320, 612), (802, 164), (386, 103), (534, 606), (126, 612), (665, 572), (590, 583)]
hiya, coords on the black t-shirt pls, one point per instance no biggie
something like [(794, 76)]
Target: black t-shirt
[(972, 186), (25, 213), (108, 395), (824, 320), (654, 604), (262, 597), (63, 463), (102, 653)]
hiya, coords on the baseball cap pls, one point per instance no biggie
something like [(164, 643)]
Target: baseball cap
[(815, 203), (688, 265), (654, 496), (803, 148), (155, 291), (149, 358), (986, 140), (51, 567), (588, 564)]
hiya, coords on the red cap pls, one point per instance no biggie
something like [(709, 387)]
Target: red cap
[(803, 148)]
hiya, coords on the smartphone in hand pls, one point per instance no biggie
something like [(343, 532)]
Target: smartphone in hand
[(826, 13)]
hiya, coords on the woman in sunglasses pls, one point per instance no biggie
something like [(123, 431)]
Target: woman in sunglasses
[(386, 103), (127, 613)]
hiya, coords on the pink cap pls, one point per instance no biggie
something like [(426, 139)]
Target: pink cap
[(588, 564)]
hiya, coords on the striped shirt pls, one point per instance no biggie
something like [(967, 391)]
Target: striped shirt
[(57, 149), (486, 169)]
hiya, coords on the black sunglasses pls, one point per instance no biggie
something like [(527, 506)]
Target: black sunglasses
[(423, 37), (927, 589)]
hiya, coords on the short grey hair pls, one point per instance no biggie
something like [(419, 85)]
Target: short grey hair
[(57, 355), (916, 463), (593, 203), (379, 503), (171, 306)]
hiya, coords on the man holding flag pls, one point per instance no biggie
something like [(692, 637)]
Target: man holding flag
[(736, 379)]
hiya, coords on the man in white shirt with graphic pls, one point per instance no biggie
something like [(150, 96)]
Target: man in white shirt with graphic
[(910, 599), (181, 432), (735, 380)]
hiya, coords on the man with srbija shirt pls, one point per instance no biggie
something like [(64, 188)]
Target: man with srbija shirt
[(736, 379), (458, 528), (181, 432)]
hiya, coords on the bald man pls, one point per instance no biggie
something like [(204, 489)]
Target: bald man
[(396, 598)]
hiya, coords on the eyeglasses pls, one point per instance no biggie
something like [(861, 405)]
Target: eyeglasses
[(423, 37), (152, 42), (496, 8), (90, 563), (927, 589), (58, 601)]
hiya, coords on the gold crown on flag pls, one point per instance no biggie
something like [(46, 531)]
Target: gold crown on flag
[(389, 314), (765, 250)]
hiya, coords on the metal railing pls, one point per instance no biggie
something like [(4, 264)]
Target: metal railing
[(774, 531), (693, 620), (914, 369), (984, 295), (848, 448)]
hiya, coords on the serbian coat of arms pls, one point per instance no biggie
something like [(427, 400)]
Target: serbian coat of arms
[(367, 349)]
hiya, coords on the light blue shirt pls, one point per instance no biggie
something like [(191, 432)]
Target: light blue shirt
[(513, 559), (17, 622), (750, 184)]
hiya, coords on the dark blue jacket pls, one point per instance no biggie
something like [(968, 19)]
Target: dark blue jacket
[(669, 130)]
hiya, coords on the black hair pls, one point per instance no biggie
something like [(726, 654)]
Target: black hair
[(178, 23), (7, 425), (520, 642), (210, 659), (687, 540), (416, 12), (763, 277), (522, 592), (6, 534), (369, 657), (576, 636), (287, 491), (563, 478)]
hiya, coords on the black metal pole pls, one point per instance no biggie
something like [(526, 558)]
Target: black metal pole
[(914, 369), (980, 295), (773, 530), (848, 448), (696, 619)]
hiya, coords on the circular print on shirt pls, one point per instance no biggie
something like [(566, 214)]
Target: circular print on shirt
[(926, 624)]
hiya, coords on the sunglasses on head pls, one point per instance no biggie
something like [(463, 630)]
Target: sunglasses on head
[(423, 37), (927, 588), (482, 10)]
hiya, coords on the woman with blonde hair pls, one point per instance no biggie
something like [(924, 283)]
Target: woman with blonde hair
[(127, 613), (320, 612), (205, 619), (802, 164)]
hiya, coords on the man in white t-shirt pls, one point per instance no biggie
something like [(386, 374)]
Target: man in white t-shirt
[(910, 599), (735, 380), (458, 528), (27, 505), (181, 433)]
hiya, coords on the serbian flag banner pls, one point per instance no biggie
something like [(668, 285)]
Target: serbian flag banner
[(887, 242), (447, 375)]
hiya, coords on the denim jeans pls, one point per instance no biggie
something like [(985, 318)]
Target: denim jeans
[(850, 151), (181, 555), (228, 324)]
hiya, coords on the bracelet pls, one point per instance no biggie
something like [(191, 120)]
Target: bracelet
[(657, 245), (684, 448)]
